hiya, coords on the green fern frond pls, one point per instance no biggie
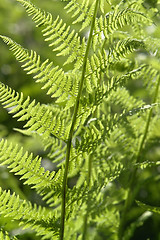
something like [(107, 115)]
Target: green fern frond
[(154, 47), (91, 137), (148, 207), (147, 164), (106, 164), (117, 19), (47, 184), (149, 75), (39, 117), (95, 65), (66, 42), (55, 148), (24, 164), (111, 168), (38, 218), (59, 84), (96, 134), (120, 137), (114, 82), (82, 12), (5, 236), (79, 196), (123, 48), (120, 96), (102, 63)]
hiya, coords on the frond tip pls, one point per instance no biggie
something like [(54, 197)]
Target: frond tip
[(148, 207), (63, 40), (62, 86), (82, 12)]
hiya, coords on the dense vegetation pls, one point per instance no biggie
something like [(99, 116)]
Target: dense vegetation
[(80, 132)]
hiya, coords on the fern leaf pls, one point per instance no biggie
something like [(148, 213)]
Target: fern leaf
[(148, 207), (5, 236), (82, 12), (124, 48), (56, 149), (48, 184), (99, 62), (90, 139), (39, 117), (120, 97), (94, 136), (26, 165), (40, 219), (117, 19), (96, 64), (65, 41), (60, 85)]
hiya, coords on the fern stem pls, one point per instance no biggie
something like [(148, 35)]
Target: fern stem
[(69, 142), (131, 192), (84, 236), (101, 72)]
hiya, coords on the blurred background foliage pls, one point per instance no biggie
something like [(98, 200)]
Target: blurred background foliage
[(15, 23)]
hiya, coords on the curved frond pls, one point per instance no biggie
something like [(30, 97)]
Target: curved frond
[(148, 207), (24, 164), (119, 99), (124, 47), (39, 118), (39, 218), (56, 149), (100, 63), (62, 86), (65, 41), (117, 19), (100, 134)]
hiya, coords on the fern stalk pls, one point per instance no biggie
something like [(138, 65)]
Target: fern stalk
[(101, 72), (84, 236), (65, 177), (131, 193)]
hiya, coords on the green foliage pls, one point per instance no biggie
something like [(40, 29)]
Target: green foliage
[(5, 236), (149, 208), (97, 132)]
